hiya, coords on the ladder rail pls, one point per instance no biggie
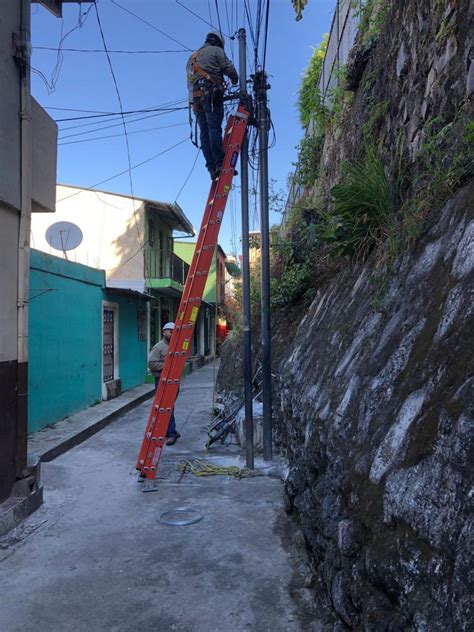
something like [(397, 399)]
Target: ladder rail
[(191, 300), (187, 294)]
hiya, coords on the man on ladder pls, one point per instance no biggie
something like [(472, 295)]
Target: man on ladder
[(205, 71)]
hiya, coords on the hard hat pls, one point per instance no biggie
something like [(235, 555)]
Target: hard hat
[(219, 36), (168, 326)]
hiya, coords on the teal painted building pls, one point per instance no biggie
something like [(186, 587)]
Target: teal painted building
[(87, 342)]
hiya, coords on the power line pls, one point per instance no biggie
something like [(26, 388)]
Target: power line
[(51, 85), (121, 173), (188, 176), (230, 31), (139, 131), (47, 107), (267, 18), (219, 17), (144, 110), (98, 129), (196, 15), (113, 117), (249, 20), (119, 98), (151, 25), (115, 52)]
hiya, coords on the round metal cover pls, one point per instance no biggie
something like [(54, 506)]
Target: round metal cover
[(179, 517), (64, 236)]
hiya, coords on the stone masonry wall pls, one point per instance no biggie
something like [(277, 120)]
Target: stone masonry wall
[(373, 395), (375, 414)]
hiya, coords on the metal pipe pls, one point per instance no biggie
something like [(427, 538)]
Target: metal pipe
[(261, 87), (247, 336), (24, 55)]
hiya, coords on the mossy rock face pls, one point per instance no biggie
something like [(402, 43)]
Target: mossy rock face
[(373, 410), (373, 380)]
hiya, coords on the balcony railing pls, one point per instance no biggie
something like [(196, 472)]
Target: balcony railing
[(158, 266)]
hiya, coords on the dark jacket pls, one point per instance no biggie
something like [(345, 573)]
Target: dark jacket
[(214, 61)]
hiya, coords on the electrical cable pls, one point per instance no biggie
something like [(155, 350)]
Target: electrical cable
[(112, 52), (165, 106), (51, 84), (139, 131), (151, 25), (126, 260), (219, 18), (188, 176), (230, 31), (121, 173), (267, 18), (249, 21), (199, 17), (48, 107), (97, 129), (109, 124)]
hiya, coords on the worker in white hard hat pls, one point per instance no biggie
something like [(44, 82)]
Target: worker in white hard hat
[(206, 69), (156, 360)]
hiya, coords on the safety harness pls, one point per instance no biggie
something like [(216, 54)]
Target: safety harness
[(202, 83)]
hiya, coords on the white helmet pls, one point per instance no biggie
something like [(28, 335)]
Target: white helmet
[(168, 326), (217, 35)]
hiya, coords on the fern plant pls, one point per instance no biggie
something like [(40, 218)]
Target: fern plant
[(363, 208)]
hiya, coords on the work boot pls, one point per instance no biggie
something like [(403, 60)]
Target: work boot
[(173, 438)]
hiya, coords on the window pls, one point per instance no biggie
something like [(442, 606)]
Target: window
[(142, 322), (151, 232)]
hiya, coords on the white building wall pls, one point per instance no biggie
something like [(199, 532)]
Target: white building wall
[(112, 228)]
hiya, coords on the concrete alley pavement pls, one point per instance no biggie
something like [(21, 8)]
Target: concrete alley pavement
[(95, 556)]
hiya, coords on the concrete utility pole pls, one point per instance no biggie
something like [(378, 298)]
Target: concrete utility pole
[(260, 88), (244, 179)]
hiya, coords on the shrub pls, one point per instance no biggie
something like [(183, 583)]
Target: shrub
[(309, 155), (362, 209)]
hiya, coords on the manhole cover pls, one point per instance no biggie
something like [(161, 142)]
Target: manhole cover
[(179, 517)]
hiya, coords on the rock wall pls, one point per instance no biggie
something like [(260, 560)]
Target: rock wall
[(375, 414), (373, 394)]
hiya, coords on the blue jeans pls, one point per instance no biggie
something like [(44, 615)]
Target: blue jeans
[(172, 424), (210, 126)]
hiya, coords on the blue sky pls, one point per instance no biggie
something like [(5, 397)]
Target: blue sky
[(149, 80)]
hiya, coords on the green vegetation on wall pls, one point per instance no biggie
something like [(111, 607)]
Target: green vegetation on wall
[(362, 210), (309, 97)]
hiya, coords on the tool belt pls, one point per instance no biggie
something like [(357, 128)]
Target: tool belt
[(204, 89)]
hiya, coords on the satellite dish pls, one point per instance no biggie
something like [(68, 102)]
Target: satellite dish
[(64, 236)]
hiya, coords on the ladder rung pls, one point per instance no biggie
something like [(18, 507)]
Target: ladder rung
[(154, 439)]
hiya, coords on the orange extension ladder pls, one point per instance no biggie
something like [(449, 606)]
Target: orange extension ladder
[(181, 341)]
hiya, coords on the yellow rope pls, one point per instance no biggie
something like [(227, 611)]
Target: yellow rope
[(203, 468)]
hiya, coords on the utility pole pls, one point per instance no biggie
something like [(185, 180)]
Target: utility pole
[(244, 180), (260, 87)]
